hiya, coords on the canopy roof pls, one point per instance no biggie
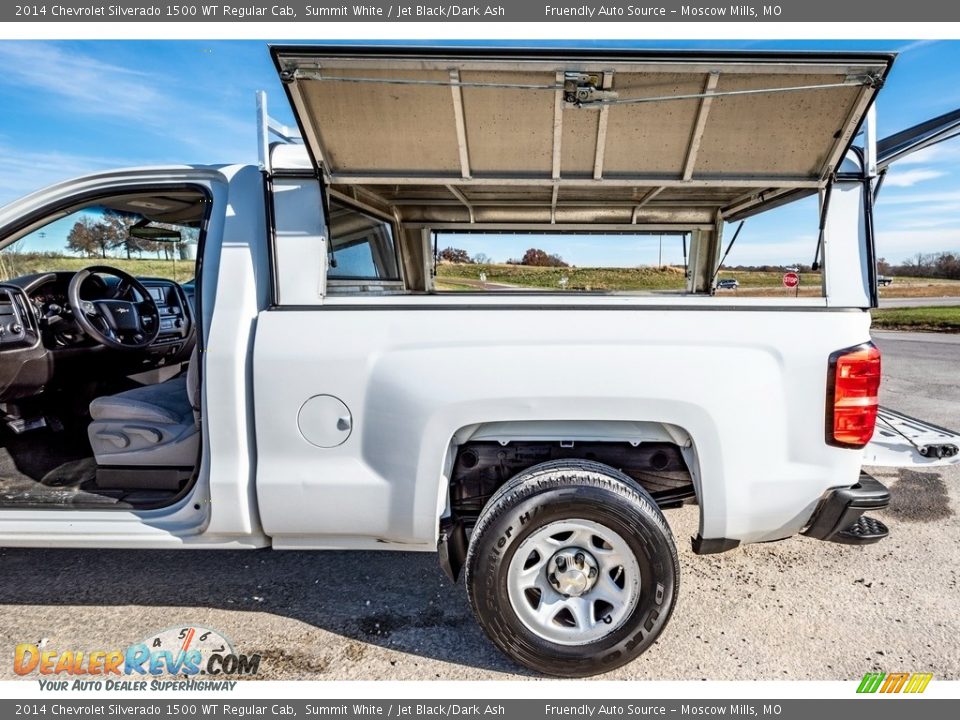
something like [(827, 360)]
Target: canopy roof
[(575, 137)]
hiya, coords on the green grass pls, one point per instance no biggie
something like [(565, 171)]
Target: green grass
[(457, 276), (938, 319), (577, 278), (16, 264)]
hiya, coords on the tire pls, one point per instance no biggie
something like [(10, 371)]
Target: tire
[(609, 603)]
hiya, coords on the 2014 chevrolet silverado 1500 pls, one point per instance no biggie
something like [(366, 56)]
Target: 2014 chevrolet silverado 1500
[(317, 385)]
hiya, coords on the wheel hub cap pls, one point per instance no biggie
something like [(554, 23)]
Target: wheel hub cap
[(572, 571), (573, 582)]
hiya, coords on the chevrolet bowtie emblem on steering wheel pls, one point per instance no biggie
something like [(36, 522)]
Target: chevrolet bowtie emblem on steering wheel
[(122, 310)]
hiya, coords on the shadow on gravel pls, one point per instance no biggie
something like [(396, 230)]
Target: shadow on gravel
[(400, 601), (920, 497)]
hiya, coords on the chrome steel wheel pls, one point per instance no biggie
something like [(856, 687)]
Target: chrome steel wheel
[(573, 582)]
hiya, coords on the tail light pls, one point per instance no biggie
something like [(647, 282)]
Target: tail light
[(853, 383)]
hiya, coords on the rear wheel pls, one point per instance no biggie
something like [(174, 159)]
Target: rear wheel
[(572, 569)]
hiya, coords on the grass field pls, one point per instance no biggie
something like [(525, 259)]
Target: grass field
[(935, 319), (16, 264), (921, 287), (452, 276), (548, 278), (585, 278)]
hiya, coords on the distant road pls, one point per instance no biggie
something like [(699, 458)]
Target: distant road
[(920, 375), (918, 302)]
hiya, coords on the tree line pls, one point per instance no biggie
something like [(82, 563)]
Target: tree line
[(941, 265), (534, 257), (95, 237)]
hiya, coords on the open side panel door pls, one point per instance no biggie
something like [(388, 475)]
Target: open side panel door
[(902, 441), (382, 116), (924, 135)]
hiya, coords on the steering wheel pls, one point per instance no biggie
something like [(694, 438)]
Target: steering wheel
[(115, 322)]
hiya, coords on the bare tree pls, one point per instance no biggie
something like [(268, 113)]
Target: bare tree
[(88, 237)]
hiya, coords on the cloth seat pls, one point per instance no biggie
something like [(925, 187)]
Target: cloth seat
[(151, 426), (165, 402)]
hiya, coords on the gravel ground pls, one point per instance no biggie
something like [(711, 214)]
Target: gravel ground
[(798, 609)]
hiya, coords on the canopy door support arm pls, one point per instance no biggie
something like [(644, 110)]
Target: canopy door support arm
[(709, 87), (646, 198), (463, 199), (557, 129), (458, 117), (602, 131)]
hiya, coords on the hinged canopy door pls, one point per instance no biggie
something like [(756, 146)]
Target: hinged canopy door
[(711, 125)]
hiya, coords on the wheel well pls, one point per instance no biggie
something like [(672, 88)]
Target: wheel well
[(480, 467)]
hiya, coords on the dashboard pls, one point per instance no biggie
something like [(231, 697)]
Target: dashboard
[(176, 315), (42, 345), (47, 294)]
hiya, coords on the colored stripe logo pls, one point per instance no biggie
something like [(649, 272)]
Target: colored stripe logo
[(894, 683)]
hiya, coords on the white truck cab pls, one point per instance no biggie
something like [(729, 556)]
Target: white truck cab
[(308, 380)]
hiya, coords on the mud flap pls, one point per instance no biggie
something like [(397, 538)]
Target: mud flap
[(452, 546)]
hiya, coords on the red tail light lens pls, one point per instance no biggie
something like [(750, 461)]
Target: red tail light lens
[(852, 387)]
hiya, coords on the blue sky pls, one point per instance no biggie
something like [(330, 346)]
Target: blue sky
[(79, 106)]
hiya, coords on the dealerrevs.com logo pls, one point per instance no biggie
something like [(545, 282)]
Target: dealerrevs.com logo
[(183, 652)]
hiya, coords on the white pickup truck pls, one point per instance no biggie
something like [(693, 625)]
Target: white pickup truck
[(314, 385)]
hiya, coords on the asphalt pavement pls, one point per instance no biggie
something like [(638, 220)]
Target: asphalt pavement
[(797, 609), (921, 375), (918, 302)]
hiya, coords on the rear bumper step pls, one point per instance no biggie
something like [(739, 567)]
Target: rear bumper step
[(840, 517), (863, 531)]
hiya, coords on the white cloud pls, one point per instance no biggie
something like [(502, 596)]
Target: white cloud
[(909, 178), (941, 212), (147, 102), (945, 196), (140, 104), (927, 221), (24, 171), (945, 153), (88, 85), (916, 45), (895, 245), (799, 248)]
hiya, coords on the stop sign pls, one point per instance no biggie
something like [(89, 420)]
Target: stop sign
[(791, 280)]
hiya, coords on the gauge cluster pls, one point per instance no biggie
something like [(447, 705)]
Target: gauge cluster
[(52, 307), (44, 300)]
